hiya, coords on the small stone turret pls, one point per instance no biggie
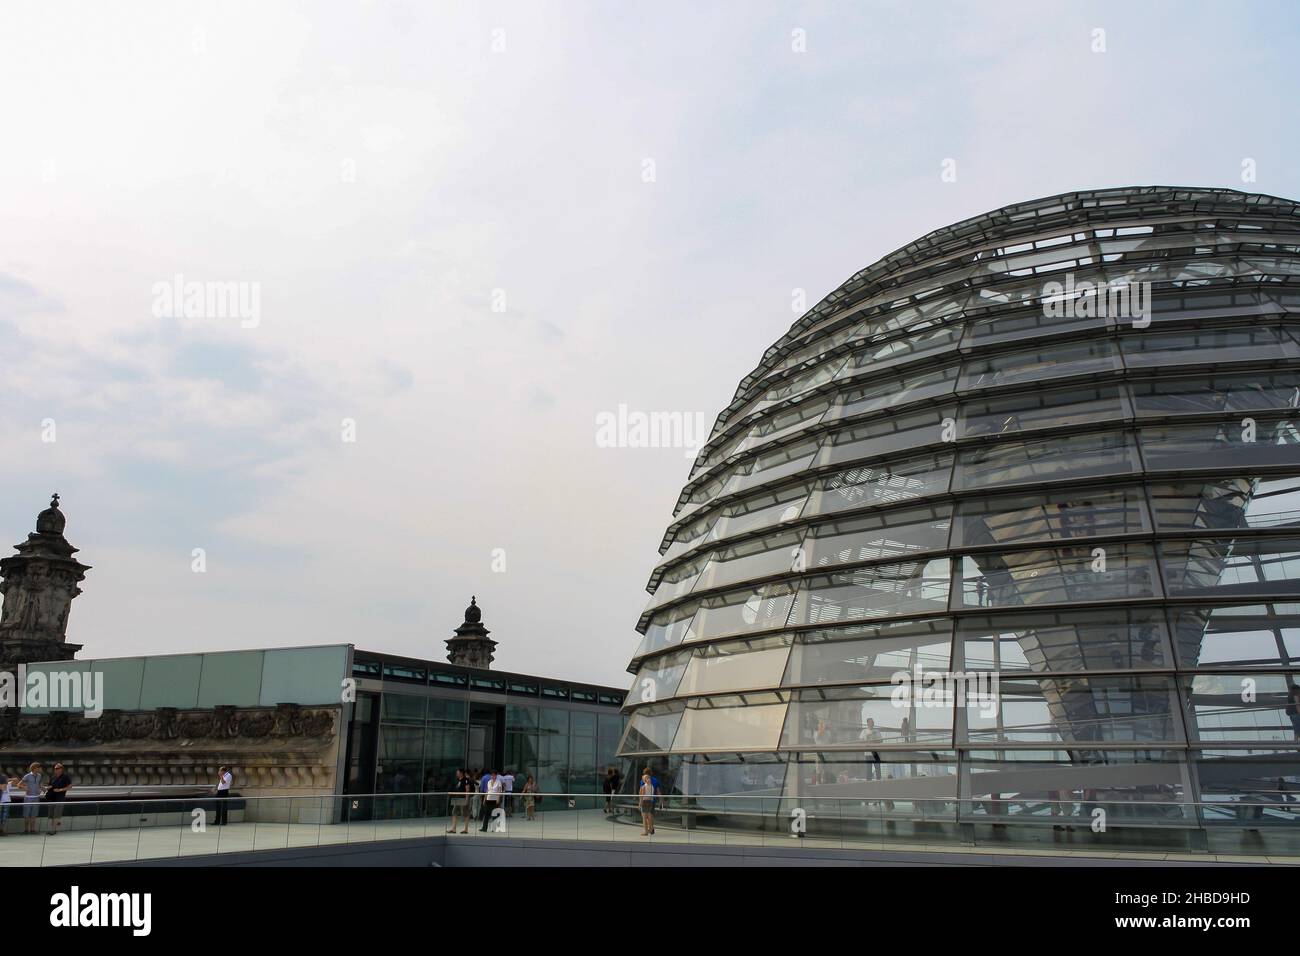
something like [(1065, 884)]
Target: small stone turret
[(471, 647), (39, 584)]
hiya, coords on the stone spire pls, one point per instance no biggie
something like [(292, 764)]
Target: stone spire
[(39, 584), (471, 647)]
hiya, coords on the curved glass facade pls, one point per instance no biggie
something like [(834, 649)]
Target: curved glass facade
[(1058, 444)]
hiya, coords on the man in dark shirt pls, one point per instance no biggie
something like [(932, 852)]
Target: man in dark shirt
[(55, 795)]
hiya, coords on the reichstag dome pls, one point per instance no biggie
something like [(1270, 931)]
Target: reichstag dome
[(1050, 452)]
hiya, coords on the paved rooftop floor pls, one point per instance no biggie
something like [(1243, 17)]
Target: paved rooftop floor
[(81, 846)]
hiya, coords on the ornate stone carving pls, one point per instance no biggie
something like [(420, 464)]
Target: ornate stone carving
[(289, 721), (471, 647), (40, 582)]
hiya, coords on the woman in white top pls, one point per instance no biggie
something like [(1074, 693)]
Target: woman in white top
[(646, 792)]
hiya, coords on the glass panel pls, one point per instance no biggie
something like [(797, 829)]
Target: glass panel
[(759, 609), (710, 775), (405, 708), (893, 534), (1235, 444), (881, 591), (881, 484), (1232, 566), (657, 678), (1055, 517), (713, 728), (1076, 710), (173, 681), (122, 682), (303, 675), (1236, 635), (1044, 409), (772, 465), (886, 436), (894, 392), (651, 729), (1227, 503), (1127, 784), (1058, 576), (854, 716), (928, 779), (1268, 779), (1251, 708), (737, 665), (1110, 639), (883, 354), (1048, 459), (752, 560), (869, 652), (444, 752), (1038, 364), (1218, 393), (667, 629), (401, 751), (233, 678), (1202, 347), (521, 718), (553, 720)]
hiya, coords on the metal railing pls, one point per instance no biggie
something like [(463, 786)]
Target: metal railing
[(1255, 826)]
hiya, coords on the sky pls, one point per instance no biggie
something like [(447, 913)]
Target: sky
[(463, 233)]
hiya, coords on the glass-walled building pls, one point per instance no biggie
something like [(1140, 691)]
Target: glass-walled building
[(1058, 444), (414, 722)]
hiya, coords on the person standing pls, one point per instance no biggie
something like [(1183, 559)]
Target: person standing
[(462, 793), (612, 782), (55, 794), (7, 786), (32, 797), (224, 779), (530, 797), (647, 792), (508, 785), (491, 798)]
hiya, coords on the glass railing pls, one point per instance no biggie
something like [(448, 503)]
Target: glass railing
[(1257, 827)]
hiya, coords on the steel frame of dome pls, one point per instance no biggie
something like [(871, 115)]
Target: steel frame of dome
[(935, 468)]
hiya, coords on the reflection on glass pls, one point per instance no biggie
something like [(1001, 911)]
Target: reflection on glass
[(1077, 710), (755, 726), (882, 483), (882, 591), (1047, 459), (651, 729), (1058, 576), (1244, 708), (1056, 517), (737, 665), (871, 652), (1236, 634), (1063, 641)]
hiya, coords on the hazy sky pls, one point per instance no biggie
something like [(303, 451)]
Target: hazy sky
[(444, 211)]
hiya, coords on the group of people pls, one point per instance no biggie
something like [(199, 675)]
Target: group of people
[(477, 793), (31, 791)]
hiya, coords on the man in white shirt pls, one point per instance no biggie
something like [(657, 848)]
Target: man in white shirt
[(492, 799), (224, 779), (508, 781)]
